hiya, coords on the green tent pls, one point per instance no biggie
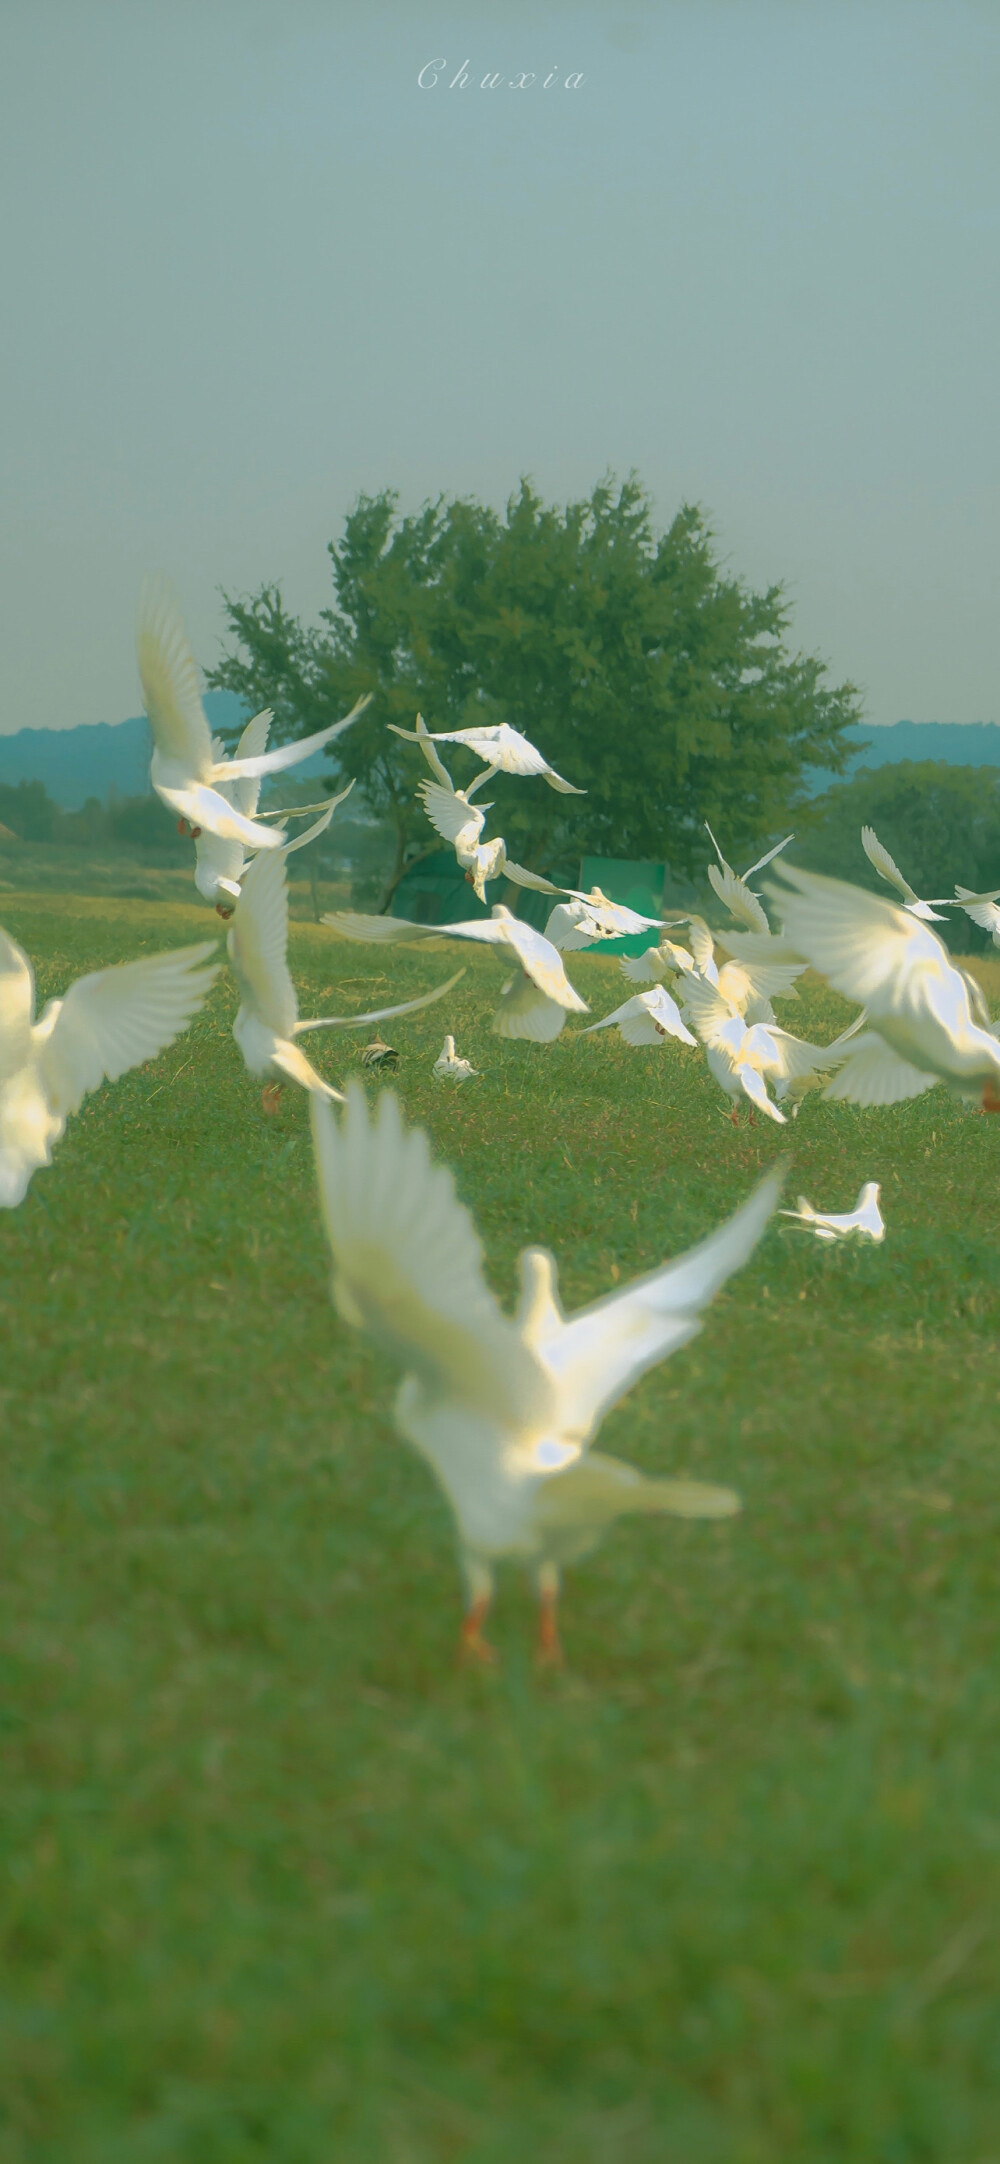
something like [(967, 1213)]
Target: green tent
[(436, 892)]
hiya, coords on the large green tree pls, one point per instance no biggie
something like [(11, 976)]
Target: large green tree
[(940, 822), (662, 686)]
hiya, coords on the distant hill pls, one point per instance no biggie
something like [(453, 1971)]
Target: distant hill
[(90, 761)]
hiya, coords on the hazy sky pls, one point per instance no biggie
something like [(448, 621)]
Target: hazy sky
[(249, 267)]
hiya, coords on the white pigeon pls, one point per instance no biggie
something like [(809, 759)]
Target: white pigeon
[(864, 1222), (533, 1004), (503, 750), (267, 1023), (448, 1063), (186, 771), (731, 887), (920, 1024), (220, 863), (584, 919), (744, 1056), (888, 869), (108, 1022), (750, 985), (504, 1409), (982, 908), (647, 1018), (461, 823)]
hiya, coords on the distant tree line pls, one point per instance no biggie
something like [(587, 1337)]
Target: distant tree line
[(662, 685), (940, 822), (138, 823)]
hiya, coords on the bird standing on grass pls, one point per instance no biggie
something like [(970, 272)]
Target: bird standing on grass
[(108, 1022), (448, 1063), (505, 1409), (864, 1222), (267, 1024), (186, 770)]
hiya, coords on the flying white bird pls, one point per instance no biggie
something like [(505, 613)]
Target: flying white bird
[(186, 771), (731, 887), (647, 1018), (533, 1004), (108, 1022), (267, 1024), (864, 1222), (220, 864), (888, 869), (448, 1063), (586, 918), (920, 1023), (750, 985), (744, 1056), (982, 908), (503, 750), (504, 1409), (461, 823)]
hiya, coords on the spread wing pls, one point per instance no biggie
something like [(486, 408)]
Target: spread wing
[(450, 815), (408, 1263), (381, 1014), (982, 908), (524, 1011), (505, 748), (769, 859), (874, 1074), (286, 755), (596, 1355), (885, 865), (17, 1006), (253, 741), (860, 943), (737, 897), (754, 1086), (170, 682), (258, 941), (540, 961), (712, 1015), (118, 1018), (421, 735), (534, 880)]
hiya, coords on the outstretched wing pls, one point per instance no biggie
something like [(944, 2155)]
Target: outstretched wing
[(450, 815), (859, 942), (170, 682), (118, 1018), (534, 880), (258, 943), (737, 897), (505, 748), (874, 1074), (540, 961), (381, 1014), (596, 1356), (17, 1006), (246, 790), (408, 1263), (712, 1015), (769, 859), (421, 735), (885, 865), (286, 755)]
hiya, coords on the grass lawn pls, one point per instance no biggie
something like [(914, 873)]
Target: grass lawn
[(280, 1883)]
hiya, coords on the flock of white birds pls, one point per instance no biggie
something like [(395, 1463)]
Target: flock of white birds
[(504, 1409)]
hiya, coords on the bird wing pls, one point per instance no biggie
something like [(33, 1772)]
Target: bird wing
[(523, 878), (170, 682), (650, 967), (597, 1354), (525, 1012), (541, 962), (286, 755), (737, 898), (17, 1006), (505, 748), (794, 1057), (118, 1018), (754, 1086), (450, 815), (711, 1014), (408, 1264), (982, 908), (205, 807), (381, 1014), (634, 1006), (874, 1074), (298, 1068), (769, 859), (246, 791), (570, 926), (665, 1015), (258, 944), (421, 735), (885, 865), (351, 924), (861, 943), (769, 980)]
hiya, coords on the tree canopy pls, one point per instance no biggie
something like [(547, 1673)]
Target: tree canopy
[(655, 681), (940, 822)]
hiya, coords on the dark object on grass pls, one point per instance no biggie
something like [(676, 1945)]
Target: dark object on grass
[(379, 1055)]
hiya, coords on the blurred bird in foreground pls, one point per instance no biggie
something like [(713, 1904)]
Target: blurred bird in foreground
[(267, 1024), (920, 1028), (505, 1409), (108, 1022), (864, 1222)]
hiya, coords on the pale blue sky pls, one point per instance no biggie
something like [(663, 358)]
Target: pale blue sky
[(249, 267)]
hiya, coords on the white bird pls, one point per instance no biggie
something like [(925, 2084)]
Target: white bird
[(186, 771), (448, 1063), (267, 1024), (982, 908), (220, 863), (920, 1024), (750, 984), (584, 919), (647, 1018), (888, 869), (108, 1022), (731, 887), (864, 1222), (504, 1409), (503, 750), (461, 823), (533, 1004), (744, 1056)]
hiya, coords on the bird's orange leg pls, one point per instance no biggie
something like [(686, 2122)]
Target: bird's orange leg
[(225, 914), (735, 1117), (270, 1098), (991, 1101), (472, 1645), (182, 826), (548, 1645)]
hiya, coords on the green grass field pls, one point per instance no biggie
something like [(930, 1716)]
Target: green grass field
[(281, 1883)]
